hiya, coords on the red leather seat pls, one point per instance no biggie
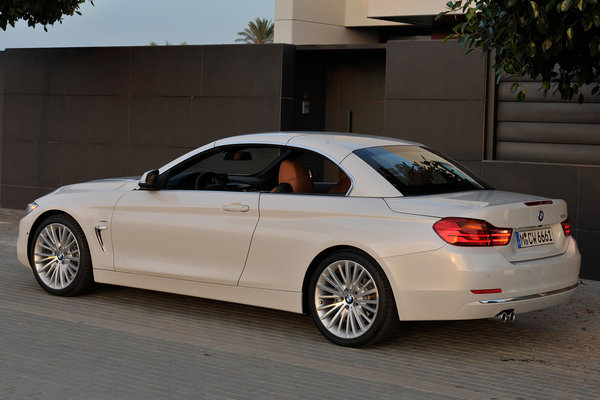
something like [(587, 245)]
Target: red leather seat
[(294, 173)]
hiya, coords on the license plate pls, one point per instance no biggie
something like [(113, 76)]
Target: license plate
[(534, 237)]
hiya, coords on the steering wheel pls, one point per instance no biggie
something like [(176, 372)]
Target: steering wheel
[(204, 179), (211, 181)]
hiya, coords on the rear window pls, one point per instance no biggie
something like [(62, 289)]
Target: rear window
[(415, 170)]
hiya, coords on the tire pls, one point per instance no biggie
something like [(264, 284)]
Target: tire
[(352, 312), (60, 257)]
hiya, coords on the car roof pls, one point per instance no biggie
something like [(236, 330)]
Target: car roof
[(336, 145)]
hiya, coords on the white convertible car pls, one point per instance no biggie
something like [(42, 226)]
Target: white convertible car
[(361, 232)]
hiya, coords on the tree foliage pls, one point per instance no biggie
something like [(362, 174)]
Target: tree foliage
[(555, 40), (44, 12), (261, 30)]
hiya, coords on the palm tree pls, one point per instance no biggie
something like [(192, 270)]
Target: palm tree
[(258, 31)]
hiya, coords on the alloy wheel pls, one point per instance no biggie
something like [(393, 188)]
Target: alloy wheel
[(346, 299), (56, 256)]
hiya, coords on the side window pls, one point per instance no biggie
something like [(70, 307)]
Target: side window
[(307, 172), (237, 161), (251, 168), (229, 168)]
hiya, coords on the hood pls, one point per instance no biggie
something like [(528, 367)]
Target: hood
[(99, 185)]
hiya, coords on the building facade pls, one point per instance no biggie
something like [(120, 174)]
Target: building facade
[(356, 21)]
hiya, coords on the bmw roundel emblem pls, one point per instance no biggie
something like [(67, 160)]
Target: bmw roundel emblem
[(541, 216)]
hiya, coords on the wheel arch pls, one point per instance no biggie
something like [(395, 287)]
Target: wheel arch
[(83, 277), (320, 257), (41, 218)]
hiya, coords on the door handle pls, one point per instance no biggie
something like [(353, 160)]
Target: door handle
[(236, 207)]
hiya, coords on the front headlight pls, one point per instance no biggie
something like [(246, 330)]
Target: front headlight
[(31, 207)]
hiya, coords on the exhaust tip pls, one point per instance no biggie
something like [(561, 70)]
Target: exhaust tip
[(506, 316), (511, 316)]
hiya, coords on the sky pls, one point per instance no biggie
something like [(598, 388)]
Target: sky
[(139, 22)]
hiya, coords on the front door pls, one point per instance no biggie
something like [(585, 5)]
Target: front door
[(198, 235)]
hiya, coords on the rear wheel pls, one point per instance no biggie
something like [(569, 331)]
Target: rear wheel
[(351, 300), (60, 257)]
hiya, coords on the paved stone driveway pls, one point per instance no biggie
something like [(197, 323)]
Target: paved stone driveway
[(121, 343)]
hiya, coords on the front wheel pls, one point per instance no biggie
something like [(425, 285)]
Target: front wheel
[(351, 300), (60, 257)]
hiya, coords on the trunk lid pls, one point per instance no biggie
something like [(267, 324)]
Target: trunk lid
[(503, 210)]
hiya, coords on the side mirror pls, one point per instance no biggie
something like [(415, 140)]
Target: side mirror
[(149, 180)]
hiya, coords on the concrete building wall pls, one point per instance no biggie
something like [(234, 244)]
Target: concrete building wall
[(77, 114), (436, 95), (404, 8), (324, 22), (357, 15), (312, 22)]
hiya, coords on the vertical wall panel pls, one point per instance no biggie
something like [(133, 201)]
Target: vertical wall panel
[(437, 96), (85, 113)]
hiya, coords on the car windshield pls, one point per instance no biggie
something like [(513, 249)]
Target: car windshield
[(415, 170)]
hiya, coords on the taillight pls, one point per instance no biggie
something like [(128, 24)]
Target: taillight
[(566, 224), (471, 232)]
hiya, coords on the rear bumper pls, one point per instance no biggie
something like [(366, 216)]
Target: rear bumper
[(521, 304), (437, 285), (516, 300)]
